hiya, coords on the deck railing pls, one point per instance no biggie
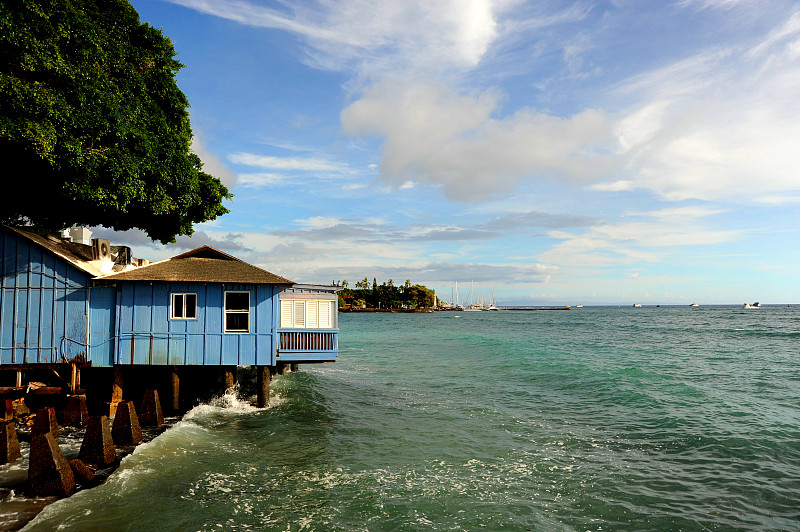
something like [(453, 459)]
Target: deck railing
[(308, 340)]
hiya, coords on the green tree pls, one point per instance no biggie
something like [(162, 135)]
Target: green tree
[(92, 120)]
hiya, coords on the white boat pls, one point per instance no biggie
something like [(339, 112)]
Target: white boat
[(694, 305), (492, 306), (637, 305), (473, 307), (754, 305), (578, 306)]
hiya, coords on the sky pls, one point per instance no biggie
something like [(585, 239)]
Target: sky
[(550, 152)]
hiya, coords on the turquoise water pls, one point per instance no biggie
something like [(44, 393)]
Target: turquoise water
[(590, 419)]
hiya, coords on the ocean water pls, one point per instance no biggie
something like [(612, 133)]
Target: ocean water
[(606, 418)]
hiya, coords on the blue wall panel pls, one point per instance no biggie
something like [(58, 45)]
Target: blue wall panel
[(213, 350), (7, 326), (103, 321), (195, 346), (43, 302), (230, 349), (247, 349)]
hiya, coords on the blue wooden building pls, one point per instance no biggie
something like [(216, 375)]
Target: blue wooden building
[(94, 304)]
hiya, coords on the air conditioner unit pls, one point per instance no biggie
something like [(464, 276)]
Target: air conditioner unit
[(101, 249), (124, 255)]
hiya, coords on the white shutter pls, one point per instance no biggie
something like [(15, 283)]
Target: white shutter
[(311, 314), (286, 315), (299, 314), (325, 314)]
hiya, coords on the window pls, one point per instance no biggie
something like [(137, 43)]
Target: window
[(306, 314), (184, 306), (237, 312)]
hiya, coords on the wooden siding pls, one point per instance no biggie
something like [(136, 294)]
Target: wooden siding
[(44, 305), (147, 335)]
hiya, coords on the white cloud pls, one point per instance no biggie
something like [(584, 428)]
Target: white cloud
[(309, 164), (718, 126), (433, 134), (408, 35), (648, 238), (212, 164), (615, 186), (261, 179)]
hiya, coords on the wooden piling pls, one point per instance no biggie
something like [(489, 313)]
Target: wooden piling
[(229, 378), (263, 378), (174, 403), (295, 367), (117, 386)]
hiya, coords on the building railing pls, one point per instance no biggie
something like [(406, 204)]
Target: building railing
[(306, 340)]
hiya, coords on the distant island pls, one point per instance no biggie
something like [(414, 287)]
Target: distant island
[(385, 296)]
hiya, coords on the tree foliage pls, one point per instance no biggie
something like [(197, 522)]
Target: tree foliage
[(387, 295), (93, 127)]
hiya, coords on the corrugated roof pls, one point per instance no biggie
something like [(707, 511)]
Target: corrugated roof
[(204, 264)]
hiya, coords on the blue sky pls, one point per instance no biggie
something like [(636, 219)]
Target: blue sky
[(555, 152)]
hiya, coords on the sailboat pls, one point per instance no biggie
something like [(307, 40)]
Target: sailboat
[(493, 306), (472, 307)]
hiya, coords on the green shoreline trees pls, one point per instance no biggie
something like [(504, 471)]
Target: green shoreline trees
[(385, 295), (93, 127)]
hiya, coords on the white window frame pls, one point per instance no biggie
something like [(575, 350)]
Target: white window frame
[(226, 311), (183, 306)]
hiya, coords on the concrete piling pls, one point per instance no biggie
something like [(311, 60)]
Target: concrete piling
[(151, 414), (9, 444), (126, 429), (45, 423), (98, 446), (263, 378), (6, 409), (49, 472), (81, 471), (76, 413)]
